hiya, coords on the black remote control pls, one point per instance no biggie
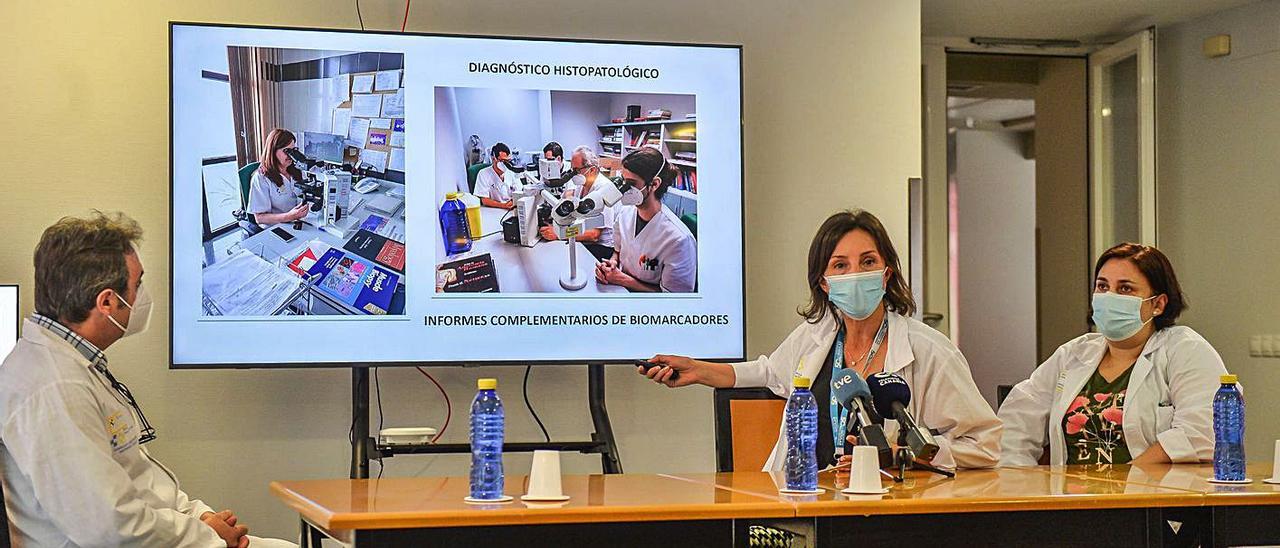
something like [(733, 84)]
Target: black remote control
[(647, 365)]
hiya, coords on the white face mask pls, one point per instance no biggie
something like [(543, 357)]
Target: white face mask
[(578, 180), (632, 197), (139, 315)]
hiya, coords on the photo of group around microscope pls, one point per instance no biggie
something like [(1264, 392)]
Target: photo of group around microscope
[(551, 191), (307, 217)]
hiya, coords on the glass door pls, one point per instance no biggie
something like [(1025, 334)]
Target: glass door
[(1122, 127)]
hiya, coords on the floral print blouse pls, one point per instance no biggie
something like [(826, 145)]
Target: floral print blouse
[(1094, 422)]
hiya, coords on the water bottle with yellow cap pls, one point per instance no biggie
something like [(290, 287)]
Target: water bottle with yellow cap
[(487, 425), (801, 464), (1228, 432)]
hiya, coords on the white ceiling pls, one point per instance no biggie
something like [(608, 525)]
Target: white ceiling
[(989, 109), (1084, 20)]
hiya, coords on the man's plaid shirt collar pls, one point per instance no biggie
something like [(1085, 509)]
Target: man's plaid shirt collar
[(82, 345)]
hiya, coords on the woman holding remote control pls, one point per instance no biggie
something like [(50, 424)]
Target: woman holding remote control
[(858, 317)]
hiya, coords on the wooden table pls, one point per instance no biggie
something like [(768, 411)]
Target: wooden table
[(414, 511), (1229, 515), (1002, 507), (1054, 506)]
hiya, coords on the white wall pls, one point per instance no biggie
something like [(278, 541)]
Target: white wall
[(1218, 125), (511, 116), (449, 153), (678, 104), (228, 433), (996, 220), (575, 118)]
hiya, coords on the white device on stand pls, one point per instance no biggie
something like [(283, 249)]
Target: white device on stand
[(336, 211), (527, 200)]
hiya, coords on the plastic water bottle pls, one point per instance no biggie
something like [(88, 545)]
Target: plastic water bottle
[(486, 442), (802, 437), (453, 225), (1228, 431)]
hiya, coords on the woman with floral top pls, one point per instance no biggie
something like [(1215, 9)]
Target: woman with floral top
[(1139, 390)]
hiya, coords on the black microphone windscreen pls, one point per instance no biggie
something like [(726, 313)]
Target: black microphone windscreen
[(887, 388), (847, 385)]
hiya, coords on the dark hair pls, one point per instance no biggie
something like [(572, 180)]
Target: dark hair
[(647, 163), (499, 147), (269, 165), (1158, 271), (556, 150), (897, 295), (77, 259)]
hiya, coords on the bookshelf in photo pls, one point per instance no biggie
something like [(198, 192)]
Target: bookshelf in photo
[(677, 139)]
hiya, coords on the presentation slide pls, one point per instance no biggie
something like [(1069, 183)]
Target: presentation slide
[(346, 198)]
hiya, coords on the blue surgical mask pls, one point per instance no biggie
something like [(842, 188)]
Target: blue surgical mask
[(858, 294), (1118, 317)]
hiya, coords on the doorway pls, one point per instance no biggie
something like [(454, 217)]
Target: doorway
[(1034, 162)]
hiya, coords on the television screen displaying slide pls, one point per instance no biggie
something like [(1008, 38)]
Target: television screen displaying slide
[(350, 198)]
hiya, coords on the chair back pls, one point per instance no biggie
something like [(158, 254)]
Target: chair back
[(747, 422)]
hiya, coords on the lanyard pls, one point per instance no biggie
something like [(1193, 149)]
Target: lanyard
[(840, 415)]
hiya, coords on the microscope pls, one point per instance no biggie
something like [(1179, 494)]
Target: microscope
[(572, 215), (328, 190)]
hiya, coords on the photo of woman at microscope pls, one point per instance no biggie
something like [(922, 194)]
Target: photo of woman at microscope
[(307, 218), (618, 214)]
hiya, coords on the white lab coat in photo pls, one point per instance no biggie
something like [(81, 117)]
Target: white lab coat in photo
[(1169, 399), (266, 197), (664, 254), (607, 215), (943, 394), (493, 186), (74, 473)]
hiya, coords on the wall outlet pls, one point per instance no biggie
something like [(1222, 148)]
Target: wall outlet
[(1264, 346)]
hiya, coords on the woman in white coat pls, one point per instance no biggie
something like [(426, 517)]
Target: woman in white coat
[(1140, 390), (859, 317), (655, 251)]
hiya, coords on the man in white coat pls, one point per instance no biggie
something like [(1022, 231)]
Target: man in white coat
[(75, 469)]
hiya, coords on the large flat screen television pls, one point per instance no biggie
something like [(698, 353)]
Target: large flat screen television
[(365, 198)]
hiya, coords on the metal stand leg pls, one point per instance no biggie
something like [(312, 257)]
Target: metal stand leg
[(360, 441), (309, 536), (609, 460), (572, 281)]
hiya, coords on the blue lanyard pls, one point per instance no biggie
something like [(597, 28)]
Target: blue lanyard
[(840, 415)]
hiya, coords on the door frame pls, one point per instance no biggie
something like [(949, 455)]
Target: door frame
[(1142, 46)]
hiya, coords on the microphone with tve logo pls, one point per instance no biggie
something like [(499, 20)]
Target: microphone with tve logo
[(853, 394), (891, 396)]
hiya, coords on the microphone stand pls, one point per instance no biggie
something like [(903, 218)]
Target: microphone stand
[(907, 461)]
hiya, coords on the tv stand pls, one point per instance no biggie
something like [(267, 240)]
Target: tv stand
[(365, 447)]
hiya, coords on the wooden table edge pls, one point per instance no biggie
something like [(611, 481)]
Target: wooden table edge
[(306, 508), (972, 506), (539, 516)]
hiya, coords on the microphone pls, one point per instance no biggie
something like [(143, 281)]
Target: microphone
[(853, 394), (891, 395)]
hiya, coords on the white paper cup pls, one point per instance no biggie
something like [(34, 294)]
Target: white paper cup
[(1275, 463), (544, 479), (864, 472)]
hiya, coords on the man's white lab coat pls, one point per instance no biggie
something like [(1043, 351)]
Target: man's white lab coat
[(74, 473)]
